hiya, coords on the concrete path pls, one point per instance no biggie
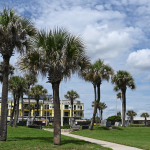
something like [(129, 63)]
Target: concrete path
[(114, 146)]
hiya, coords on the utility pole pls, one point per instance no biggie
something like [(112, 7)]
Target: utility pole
[(116, 105)]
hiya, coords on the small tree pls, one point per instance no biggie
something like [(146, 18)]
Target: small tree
[(131, 114), (145, 115), (119, 113), (71, 95), (114, 119)]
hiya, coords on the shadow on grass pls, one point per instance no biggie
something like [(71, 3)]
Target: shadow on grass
[(64, 140), (113, 128)]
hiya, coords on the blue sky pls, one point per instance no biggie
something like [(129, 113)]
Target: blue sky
[(116, 31)]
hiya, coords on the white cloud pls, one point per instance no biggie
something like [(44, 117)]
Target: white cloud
[(139, 60)]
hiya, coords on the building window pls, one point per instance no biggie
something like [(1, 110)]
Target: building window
[(81, 114), (35, 113), (47, 106), (66, 107), (80, 107), (26, 113), (47, 113), (25, 106)]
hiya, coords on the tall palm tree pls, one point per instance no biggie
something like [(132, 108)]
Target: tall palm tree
[(31, 79), (95, 73), (11, 70), (101, 107), (145, 115), (36, 91), (93, 105), (57, 54), (13, 36), (71, 95), (131, 114), (123, 79)]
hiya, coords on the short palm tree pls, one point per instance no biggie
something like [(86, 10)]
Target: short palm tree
[(57, 54), (14, 31), (36, 91), (30, 80), (95, 73), (71, 95), (123, 79), (145, 115), (101, 107), (131, 114), (11, 70), (17, 85), (119, 95)]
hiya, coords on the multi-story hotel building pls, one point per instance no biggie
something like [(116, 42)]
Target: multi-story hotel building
[(46, 106)]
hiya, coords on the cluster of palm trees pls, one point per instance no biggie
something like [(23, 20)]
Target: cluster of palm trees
[(100, 106), (55, 54), (131, 114)]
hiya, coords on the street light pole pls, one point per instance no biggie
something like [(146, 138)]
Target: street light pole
[(61, 106)]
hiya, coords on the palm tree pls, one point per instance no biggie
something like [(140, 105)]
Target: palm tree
[(36, 91), (71, 95), (17, 85), (31, 80), (123, 79), (101, 107), (119, 113), (145, 115), (57, 54), (93, 105), (11, 70), (119, 95), (31, 107), (95, 73), (13, 36), (131, 114)]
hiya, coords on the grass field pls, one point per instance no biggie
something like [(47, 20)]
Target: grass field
[(23, 138), (132, 136)]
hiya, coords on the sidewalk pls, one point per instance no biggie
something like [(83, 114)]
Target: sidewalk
[(114, 146)]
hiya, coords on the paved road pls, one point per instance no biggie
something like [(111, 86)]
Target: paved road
[(114, 146)]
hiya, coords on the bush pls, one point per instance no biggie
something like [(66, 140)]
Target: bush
[(136, 125), (114, 119), (49, 127), (65, 127)]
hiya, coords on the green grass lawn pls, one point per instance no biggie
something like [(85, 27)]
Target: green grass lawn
[(132, 136), (23, 138)]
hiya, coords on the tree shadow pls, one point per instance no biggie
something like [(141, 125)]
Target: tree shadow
[(41, 139)]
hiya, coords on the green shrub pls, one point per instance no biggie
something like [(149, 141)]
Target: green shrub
[(136, 125), (49, 127), (65, 127), (114, 119)]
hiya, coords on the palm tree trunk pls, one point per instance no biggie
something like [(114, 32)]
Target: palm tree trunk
[(99, 117), (71, 112), (123, 107), (22, 107), (95, 110), (3, 124), (98, 91), (17, 112), (11, 121), (36, 111), (57, 128), (101, 114), (29, 110)]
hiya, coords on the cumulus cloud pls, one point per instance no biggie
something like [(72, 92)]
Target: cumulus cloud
[(139, 59)]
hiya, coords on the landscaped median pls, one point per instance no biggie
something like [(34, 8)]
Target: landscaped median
[(132, 136), (25, 138)]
